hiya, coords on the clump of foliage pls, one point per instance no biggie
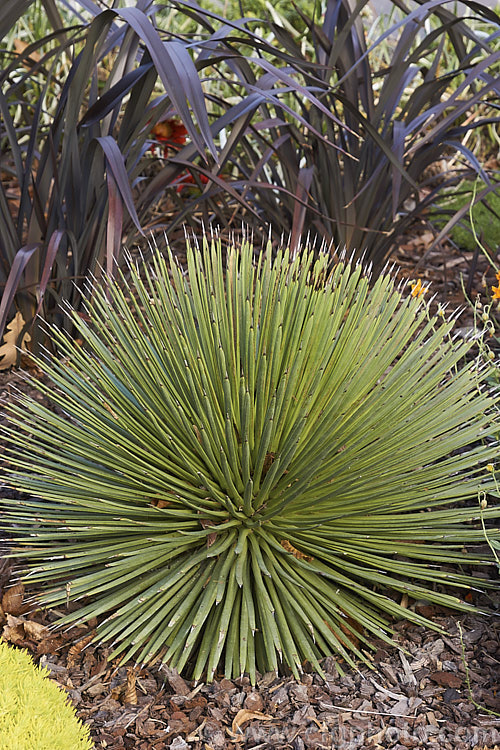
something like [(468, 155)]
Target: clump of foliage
[(479, 220), (358, 171), (90, 126), (34, 711), (248, 461)]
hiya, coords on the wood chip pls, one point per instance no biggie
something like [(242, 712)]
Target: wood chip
[(446, 679), (176, 682)]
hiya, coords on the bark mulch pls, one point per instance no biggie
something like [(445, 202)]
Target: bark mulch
[(438, 691)]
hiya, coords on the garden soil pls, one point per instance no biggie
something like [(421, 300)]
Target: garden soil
[(439, 690)]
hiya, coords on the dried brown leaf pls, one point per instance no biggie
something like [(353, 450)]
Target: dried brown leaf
[(18, 629), (160, 503), (20, 46), (130, 690), (12, 600), (110, 410), (9, 350), (268, 462), (117, 692), (243, 716), (35, 630), (76, 649), (49, 645), (13, 632), (206, 523), (377, 738), (295, 552)]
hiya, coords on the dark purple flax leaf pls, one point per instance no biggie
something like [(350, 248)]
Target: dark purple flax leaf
[(10, 12), (50, 256), (116, 163), (178, 75), (87, 5), (19, 264), (115, 225), (108, 101), (53, 14), (299, 212)]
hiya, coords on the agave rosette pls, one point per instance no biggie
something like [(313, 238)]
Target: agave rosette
[(251, 462)]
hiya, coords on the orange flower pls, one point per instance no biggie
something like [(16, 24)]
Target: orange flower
[(417, 290), (187, 180), (496, 291), (169, 134)]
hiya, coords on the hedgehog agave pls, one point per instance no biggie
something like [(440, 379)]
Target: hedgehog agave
[(252, 463)]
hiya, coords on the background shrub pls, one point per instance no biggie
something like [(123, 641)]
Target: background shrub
[(485, 216)]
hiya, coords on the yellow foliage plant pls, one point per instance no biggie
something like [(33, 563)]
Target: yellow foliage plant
[(34, 711)]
